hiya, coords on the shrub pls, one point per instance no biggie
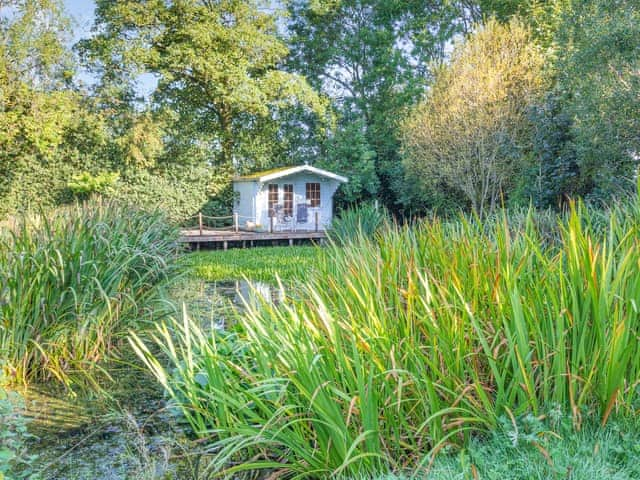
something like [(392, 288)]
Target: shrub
[(417, 339), (71, 282)]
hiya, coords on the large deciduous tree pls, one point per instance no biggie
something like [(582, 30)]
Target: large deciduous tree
[(371, 57), (471, 134), (218, 68), (46, 131), (599, 74)]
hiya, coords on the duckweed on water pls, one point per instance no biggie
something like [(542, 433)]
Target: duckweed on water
[(264, 264)]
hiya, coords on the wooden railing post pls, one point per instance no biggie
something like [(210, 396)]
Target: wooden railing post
[(200, 222), (236, 226), (317, 215)]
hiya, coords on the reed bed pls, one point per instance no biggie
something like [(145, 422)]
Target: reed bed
[(73, 281), (421, 338)]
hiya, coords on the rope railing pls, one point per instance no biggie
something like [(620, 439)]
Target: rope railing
[(233, 222)]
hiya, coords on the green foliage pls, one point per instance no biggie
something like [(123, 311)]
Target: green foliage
[(548, 451), (73, 281), (260, 264), (599, 74), (414, 340), (364, 220), (472, 134), (15, 462), (85, 184), (543, 16), (179, 192), (217, 64), (363, 54), (350, 154), (554, 178)]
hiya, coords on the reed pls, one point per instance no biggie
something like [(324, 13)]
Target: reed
[(73, 281), (419, 339), (363, 220)]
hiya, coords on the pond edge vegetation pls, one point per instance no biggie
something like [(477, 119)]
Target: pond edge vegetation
[(73, 281), (418, 339)]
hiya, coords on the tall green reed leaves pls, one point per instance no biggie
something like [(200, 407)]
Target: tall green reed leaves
[(364, 220), (73, 281), (416, 339)]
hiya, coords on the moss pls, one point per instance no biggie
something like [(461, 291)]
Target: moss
[(257, 175)]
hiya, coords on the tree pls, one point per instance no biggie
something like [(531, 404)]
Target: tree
[(472, 134), (598, 71), (47, 133), (349, 153), (217, 66), (543, 16), (371, 57)]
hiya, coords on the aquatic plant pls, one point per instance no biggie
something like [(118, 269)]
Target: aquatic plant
[(363, 220), (73, 281), (417, 340), (15, 461), (265, 264)]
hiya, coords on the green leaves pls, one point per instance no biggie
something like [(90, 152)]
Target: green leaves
[(419, 337), (71, 284), (218, 66)]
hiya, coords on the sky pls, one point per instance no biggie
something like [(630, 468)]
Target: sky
[(81, 11)]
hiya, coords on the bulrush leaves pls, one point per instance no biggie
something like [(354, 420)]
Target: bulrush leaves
[(73, 281), (418, 338)]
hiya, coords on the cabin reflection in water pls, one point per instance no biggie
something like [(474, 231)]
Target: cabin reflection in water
[(252, 291), (242, 291)]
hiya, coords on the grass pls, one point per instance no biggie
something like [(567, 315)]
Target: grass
[(417, 342), (259, 264), (73, 281), (608, 453)]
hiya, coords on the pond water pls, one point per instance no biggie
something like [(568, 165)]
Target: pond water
[(131, 433)]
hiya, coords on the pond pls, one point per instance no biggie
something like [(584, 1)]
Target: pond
[(130, 433)]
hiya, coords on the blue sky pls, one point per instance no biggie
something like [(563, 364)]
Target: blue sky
[(82, 13)]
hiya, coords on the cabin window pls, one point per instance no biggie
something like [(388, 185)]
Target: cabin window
[(313, 194), (273, 197), (288, 199)]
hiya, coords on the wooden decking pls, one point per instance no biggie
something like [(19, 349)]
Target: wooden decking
[(226, 238)]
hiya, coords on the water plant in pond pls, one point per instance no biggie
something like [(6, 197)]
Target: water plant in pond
[(72, 282), (416, 340), (15, 460), (364, 220), (258, 264)]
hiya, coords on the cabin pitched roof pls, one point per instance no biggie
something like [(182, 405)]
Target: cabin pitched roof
[(269, 175)]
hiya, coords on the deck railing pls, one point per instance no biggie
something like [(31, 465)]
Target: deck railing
[(232, 223)]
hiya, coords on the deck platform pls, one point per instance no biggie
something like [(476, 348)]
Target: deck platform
[(225, 238)]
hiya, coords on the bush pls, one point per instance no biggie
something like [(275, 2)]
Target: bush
[(71, 282), (417, 339)]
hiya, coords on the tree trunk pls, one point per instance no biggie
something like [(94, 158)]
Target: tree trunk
[(227, 143)]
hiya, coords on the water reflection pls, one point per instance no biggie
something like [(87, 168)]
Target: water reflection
[(209, 302)]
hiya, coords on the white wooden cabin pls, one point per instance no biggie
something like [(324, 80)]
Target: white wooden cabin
[(291, 198)]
